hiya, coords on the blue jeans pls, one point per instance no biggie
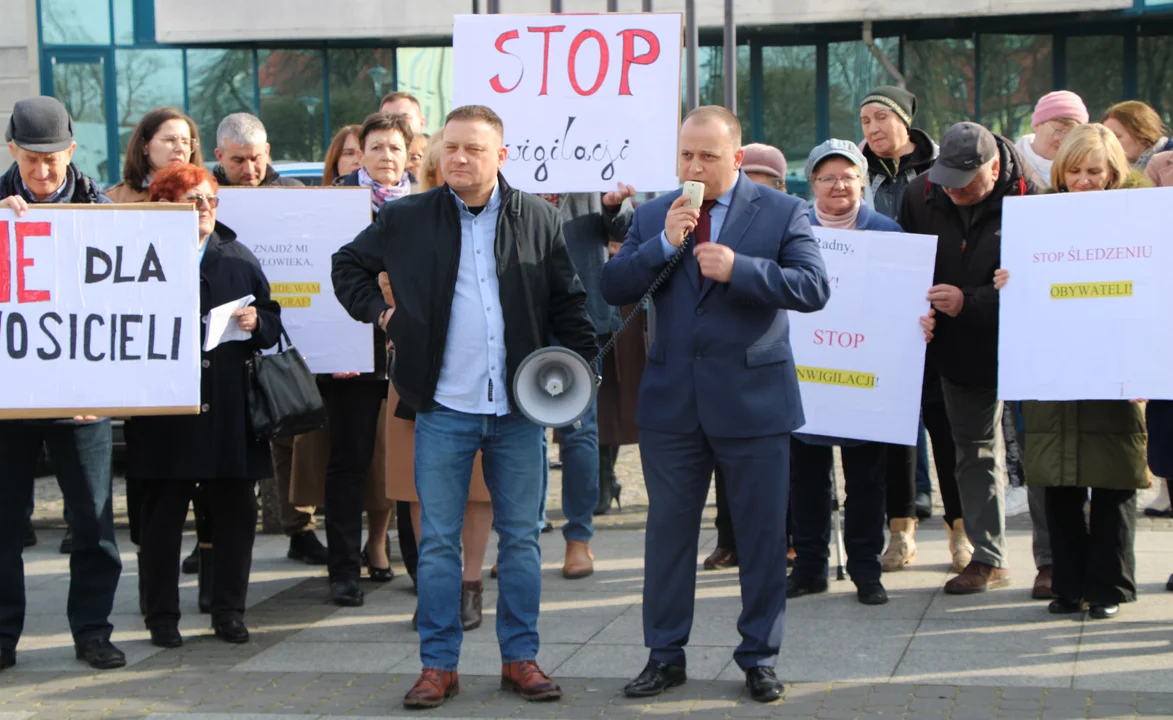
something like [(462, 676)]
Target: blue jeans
[(446, 442), (81, 459), (580, 477)]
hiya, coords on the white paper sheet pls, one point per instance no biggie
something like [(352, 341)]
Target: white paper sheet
[(222, 327)]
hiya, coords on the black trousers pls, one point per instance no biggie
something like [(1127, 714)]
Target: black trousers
[(811, 502), (1094, 556), (944, 458), (164, 508), (353, 409), (724, 521), (134, 512), (408, 547), (900, 472)]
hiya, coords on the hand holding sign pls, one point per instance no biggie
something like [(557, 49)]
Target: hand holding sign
[(947, 298), (16, 204), (1001, 277), (928, 323), (615, 198)]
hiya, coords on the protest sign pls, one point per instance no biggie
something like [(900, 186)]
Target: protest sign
[(293, 232), (588, 101), (860, 360), (99, 307), (1089, 278)]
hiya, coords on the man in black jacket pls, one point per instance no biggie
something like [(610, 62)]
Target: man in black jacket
[(40, 138), (960, 201), (481, 278)]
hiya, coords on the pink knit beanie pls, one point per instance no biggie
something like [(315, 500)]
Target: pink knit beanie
[(1059, 105)]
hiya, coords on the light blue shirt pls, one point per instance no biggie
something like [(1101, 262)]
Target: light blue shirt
[(716, 221), (472, 375)]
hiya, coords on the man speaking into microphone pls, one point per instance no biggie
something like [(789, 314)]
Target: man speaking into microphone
[(720, 389)]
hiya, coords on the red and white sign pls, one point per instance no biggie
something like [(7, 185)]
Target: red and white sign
[(587, 100)]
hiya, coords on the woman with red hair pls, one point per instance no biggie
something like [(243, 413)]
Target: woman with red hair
[(216, 449)]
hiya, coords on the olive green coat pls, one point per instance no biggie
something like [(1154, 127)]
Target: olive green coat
[(1087, 443)]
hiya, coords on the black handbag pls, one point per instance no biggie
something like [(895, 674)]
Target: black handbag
[(283, 397)]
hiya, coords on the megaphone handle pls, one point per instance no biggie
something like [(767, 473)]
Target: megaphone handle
[(642, 304)]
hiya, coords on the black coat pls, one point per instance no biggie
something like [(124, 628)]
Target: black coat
[(219, 443), (416, 240), (964, 349)]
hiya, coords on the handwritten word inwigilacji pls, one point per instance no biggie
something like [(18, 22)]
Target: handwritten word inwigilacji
[(1085, 254), (584, 151)]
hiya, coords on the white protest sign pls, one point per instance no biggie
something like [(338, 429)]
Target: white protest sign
[(100, 309), (861, 359), (293, 232), (588, 101), (1089, 277)]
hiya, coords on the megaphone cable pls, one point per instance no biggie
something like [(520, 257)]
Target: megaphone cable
[(642, 304)]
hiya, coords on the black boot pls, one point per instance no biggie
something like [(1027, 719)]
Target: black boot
[(205, 580), (608, 484)]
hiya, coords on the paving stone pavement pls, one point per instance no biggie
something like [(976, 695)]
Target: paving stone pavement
[(924, 655)]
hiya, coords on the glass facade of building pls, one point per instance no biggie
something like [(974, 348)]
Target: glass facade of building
[(795, 87)]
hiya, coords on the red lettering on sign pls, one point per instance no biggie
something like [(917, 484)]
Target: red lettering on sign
[(23, 230), (838, 338), (630, 58), (547, 31), (604, 59), (5, 265), (495, 82)]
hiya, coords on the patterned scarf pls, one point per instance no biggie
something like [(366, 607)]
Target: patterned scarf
[(381, 194)]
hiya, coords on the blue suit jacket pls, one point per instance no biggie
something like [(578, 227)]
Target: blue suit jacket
[(721, 356)]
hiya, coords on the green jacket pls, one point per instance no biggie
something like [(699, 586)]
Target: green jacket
[(1087, 443)]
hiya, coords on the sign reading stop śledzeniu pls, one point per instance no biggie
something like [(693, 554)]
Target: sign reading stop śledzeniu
[(99, 311), (588, 101)]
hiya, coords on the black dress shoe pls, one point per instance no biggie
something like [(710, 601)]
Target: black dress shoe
[(655, 679), (305, 547), (1169, 584), (1158, 512), (924, 505), (191, 563), (797, 586), (1062, 606), (66, 547), (233, 631), (100, 654), (764, 686), (7, 658), (871, 592), (346, 594), (1103, 612), (548, 528), (166, 636)]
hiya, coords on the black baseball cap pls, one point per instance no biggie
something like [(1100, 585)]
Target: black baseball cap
[(965, 148), (40, 124)]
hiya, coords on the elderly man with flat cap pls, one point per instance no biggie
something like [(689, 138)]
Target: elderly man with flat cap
[(40, 139)]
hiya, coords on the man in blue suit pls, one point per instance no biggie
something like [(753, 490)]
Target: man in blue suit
[(720, 389)]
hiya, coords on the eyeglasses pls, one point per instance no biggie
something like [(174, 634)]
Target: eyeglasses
[(210, 200), (833, 180), (183, 142), (1059, 129)]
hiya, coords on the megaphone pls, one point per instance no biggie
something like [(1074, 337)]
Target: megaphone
[(554, 387)]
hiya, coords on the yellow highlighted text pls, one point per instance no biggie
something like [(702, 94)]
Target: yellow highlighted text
[(295, 288), (845, 378), (1080, 291), (292, 301)]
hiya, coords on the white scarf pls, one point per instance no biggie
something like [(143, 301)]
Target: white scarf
[(1041, 164)]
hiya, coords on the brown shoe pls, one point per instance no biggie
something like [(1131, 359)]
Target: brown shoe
[(1042, 589), (470, 605), (721, 559), (432, 689), (528, 680), (978, 577), (493, 571), (579, 562)]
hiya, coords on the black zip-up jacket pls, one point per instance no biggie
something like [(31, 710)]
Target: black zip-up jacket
[(964, 349), (416, 240)]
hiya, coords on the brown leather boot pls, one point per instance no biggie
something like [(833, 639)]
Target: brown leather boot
[(978, 577), (470, 605), (432, 689), (579, 562), (528, 680), (720, 559), (1042, 588)]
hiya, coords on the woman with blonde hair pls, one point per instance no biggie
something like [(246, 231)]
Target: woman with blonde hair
[(1139, 129), (1075, 445)]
